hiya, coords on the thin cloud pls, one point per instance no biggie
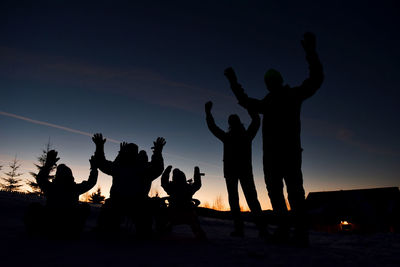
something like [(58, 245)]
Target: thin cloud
[(60, 127), (345, 135), (139, 83), (52, 125)]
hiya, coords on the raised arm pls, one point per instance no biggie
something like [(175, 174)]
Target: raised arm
[(42, 178), (156, 165), (165, 179), (316, 75), (197, 179), (237, 89), (254, 125), (91, 182), (102, 163), (220, 134)]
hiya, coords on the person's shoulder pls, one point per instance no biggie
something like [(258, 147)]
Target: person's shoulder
[(285, 92), (268, 97)]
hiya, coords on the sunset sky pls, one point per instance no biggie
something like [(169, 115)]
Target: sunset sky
[(136, 70)]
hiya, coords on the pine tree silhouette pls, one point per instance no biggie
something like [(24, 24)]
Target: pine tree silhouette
[(41, 159), (11, 181), (96, 197)]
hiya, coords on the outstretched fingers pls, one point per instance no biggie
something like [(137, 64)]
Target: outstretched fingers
[(122, 145), (158, 144), (98, 139), (51, 158)]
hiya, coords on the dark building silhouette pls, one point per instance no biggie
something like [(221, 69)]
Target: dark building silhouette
[(237, 143), (281, 135), (361, 210), (62, 215)]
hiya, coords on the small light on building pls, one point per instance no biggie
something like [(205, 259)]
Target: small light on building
[(345, 226)]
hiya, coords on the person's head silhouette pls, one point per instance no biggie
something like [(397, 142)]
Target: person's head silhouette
[(234, 123), (178, 176), (142, 157), (273, 80), (63, 175), (128, 153)]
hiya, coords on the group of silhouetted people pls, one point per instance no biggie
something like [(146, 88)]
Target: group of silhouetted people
[(132, 175), (281, 148), (132, 172)]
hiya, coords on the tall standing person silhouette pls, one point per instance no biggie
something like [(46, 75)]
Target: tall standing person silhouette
[(281, 136), (238, 166)]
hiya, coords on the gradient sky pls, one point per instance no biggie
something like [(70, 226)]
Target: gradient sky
[(136, 70)]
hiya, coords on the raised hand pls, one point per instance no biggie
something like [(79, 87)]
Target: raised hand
[(51, 158), (309, 42), (93, 163), (208, 106), (98, 139), (122, 146), (165, 178), (167, 170), (230, 75), (197, 172), (159, 144)]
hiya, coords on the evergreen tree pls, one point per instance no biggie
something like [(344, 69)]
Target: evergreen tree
[(11, 181), (96, 197), (42, 160)]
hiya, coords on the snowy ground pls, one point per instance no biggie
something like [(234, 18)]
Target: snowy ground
[(181, 249)]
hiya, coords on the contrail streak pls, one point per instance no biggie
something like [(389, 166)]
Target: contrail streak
[(86, 134), (52, 125)]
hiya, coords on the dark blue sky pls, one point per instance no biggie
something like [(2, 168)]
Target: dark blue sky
[(137, 70)]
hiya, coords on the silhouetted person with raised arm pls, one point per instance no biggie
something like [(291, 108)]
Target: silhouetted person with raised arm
[(281, 135), (132, 176), (146, 172), (238, 166), (181, 207), (63, 214)]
